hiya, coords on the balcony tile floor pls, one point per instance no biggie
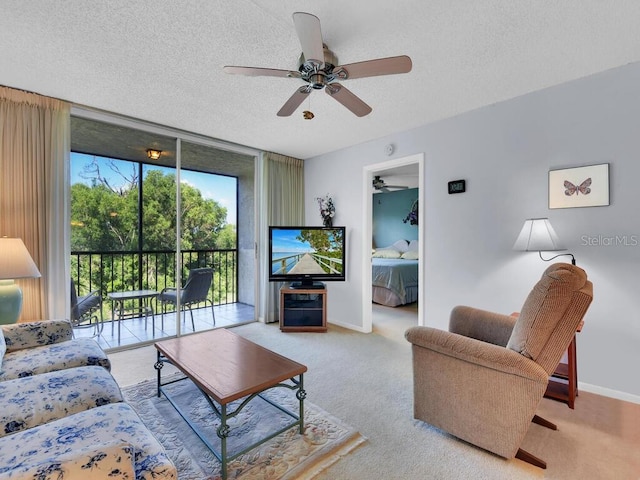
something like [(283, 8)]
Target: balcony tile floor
[(140, 330)]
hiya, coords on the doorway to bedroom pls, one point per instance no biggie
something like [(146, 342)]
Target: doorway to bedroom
[(394, 254)]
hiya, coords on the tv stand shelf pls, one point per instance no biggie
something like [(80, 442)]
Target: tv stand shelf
[(303, 309)]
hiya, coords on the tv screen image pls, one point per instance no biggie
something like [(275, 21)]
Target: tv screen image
[(306, 255)]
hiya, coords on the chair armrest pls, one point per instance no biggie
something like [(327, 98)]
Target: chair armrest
[(477, 352), (19, 336), (482, 325), (89, 297)]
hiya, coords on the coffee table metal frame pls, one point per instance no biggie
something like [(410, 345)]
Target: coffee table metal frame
[(223, 413)]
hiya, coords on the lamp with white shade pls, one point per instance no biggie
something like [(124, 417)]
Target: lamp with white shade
[(537, 235), (15, 262)]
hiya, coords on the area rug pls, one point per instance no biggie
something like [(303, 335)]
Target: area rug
[(287, 456)]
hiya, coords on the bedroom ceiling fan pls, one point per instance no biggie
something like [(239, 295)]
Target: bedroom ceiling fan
[(380, 185), (317, 68)]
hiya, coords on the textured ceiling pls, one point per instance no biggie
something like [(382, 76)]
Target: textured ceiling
[(161, 60)]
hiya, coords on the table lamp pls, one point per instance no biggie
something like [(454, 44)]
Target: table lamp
[(537, 235), (15, 262)]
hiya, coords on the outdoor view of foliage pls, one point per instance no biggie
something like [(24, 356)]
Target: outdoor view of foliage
[(111, 251), (324, 242)]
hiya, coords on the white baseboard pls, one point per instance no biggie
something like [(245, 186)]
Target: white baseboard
[(607, 392), (349, 326)]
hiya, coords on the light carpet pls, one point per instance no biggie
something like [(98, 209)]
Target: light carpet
[(287, 456)]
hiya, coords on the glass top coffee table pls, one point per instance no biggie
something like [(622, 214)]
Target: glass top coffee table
[(227, 367)]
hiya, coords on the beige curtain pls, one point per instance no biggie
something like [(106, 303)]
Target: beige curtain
[(284, 187), (34, 171)]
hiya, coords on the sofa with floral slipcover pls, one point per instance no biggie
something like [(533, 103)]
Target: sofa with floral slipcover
[(62, 414)]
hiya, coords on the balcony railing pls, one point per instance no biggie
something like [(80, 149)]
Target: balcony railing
[(153, 270)]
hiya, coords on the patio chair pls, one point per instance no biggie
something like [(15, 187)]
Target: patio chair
[(194, 291), (86, 310)]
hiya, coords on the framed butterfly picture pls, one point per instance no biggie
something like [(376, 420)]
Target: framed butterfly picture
[(579, 187)]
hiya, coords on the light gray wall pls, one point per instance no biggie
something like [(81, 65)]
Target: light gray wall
[(504, 152)]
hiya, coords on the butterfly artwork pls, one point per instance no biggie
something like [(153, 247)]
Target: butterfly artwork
[(583, 188), (579, 187)]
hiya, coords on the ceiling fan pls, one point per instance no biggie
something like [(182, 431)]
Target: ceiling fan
[(317, 68), (380, 185)]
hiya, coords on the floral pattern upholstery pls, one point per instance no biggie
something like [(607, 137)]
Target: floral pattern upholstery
[(52, 357), (46, 346), (108, 462), (50, 446), (36, 334), (31, 401)]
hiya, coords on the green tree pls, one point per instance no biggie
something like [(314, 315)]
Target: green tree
[(106, 219), (325, 242), (102, 220), (227, 237)]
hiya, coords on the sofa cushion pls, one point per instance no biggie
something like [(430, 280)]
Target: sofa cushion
[(544, 307), (49, 358), (63, 439), (31, 401), (35, 334), (108, 462)]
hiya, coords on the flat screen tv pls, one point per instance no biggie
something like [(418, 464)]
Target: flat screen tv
[(306, 256)]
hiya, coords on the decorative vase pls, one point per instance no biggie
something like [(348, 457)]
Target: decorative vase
[(327, 221)]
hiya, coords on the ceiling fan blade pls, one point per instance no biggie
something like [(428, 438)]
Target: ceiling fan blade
[(294, 101), (310, 35), (373, 68), (348, 99), (258, 72)]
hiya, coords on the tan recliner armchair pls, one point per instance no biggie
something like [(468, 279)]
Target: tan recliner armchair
[(482, 381)]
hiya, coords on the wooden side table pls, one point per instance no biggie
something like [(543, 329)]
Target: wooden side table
[(563, 382)]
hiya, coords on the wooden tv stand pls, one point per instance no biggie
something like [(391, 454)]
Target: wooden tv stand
[(303, 309)]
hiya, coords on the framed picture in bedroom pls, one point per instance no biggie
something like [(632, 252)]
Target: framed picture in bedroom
[(579, 187)]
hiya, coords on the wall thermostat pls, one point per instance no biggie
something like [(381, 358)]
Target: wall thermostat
[(456, 186)]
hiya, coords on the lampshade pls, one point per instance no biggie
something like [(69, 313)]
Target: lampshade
[(537, 235), (15, 262)]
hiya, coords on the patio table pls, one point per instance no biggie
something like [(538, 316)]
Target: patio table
[(117, 303)]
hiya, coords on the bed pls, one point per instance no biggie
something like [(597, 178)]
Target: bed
[(394, 275)]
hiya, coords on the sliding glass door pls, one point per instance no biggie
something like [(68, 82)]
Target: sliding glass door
[(147, 212)]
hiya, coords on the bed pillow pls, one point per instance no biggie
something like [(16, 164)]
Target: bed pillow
[(400, 245), (386, 253), (410, 255), (413, 246)]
